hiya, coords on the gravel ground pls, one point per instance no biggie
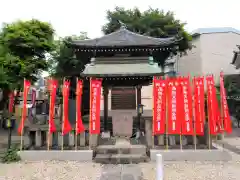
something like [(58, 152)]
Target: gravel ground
[(60, 170), (47, 170), (196, 170)]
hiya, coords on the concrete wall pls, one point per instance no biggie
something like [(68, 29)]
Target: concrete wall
[(190, 64), (213, 53), (147, 94), (217, 53)]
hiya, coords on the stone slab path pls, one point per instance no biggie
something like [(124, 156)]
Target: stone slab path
[(121, 172), (232, 144)]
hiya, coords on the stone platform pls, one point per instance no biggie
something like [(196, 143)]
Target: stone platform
[(191, 155), (65, 155), (121, 154)]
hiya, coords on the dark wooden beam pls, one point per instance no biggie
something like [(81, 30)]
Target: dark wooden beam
[(139, 101), (105, 114)]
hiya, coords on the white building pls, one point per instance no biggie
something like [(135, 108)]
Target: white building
[(213, 52)]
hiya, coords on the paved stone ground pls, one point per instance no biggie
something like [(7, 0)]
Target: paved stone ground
[(235, 133), (231, 143), (121, 172), (144, 171)]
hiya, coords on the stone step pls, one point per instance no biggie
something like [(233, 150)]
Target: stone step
[(120, 158), (113, 149)]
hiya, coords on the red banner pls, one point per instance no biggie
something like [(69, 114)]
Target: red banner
[(211, 101), (219, 124), (159, 98), (186, 104), (199, 105), (66, 127), (79, 124), (27, 85), (53, 90), (224, 106), (11, 102), (174, 106), (95, 98)]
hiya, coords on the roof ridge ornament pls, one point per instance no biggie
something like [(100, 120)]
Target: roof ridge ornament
[(150, 60), (92, 61)]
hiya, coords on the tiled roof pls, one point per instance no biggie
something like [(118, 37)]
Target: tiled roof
[(124, 37), (200, 31)]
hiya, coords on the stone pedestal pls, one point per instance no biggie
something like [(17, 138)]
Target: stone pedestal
[(122, 127), (27, 140), (38, 138), (93, 140), (71, 139), (122, 142), (148, 133), (184, 141), (59, 139), (122, 124), (82, 139), (172, 140), (160, 140)]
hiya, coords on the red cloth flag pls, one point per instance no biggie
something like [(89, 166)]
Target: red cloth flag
[(66, 126), (186, 104), (53, 90), (219, 121), (11, 102), (224, 106), (211, 101), (199, 104), (95, 97), (27, 85), (174, 106), (79, 124), (159, 109)]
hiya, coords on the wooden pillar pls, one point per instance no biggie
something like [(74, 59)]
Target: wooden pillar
[(105, 108), (139, 101)]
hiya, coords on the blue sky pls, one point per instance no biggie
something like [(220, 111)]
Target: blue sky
[(72, 16)]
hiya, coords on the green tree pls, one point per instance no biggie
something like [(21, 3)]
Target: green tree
[(23, 49), (152, 22), (232, 91), (63, 61)]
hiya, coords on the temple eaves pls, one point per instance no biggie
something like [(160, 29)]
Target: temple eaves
[(125, 38)]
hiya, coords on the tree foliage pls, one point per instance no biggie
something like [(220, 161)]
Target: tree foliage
[(63, 60), (152, 22), (23, 49)]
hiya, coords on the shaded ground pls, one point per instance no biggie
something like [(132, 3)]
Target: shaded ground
[(235, 133)]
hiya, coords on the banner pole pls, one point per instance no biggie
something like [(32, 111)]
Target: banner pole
[(194, 113), (22, 124), (195, 132), (209, 136), (221, 106), (50, 115), (21, 144), (90, 119), (153, 120), (76, 125), (167, 116), (63, 117), (180, 139), (209, 133), (180, 135)]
